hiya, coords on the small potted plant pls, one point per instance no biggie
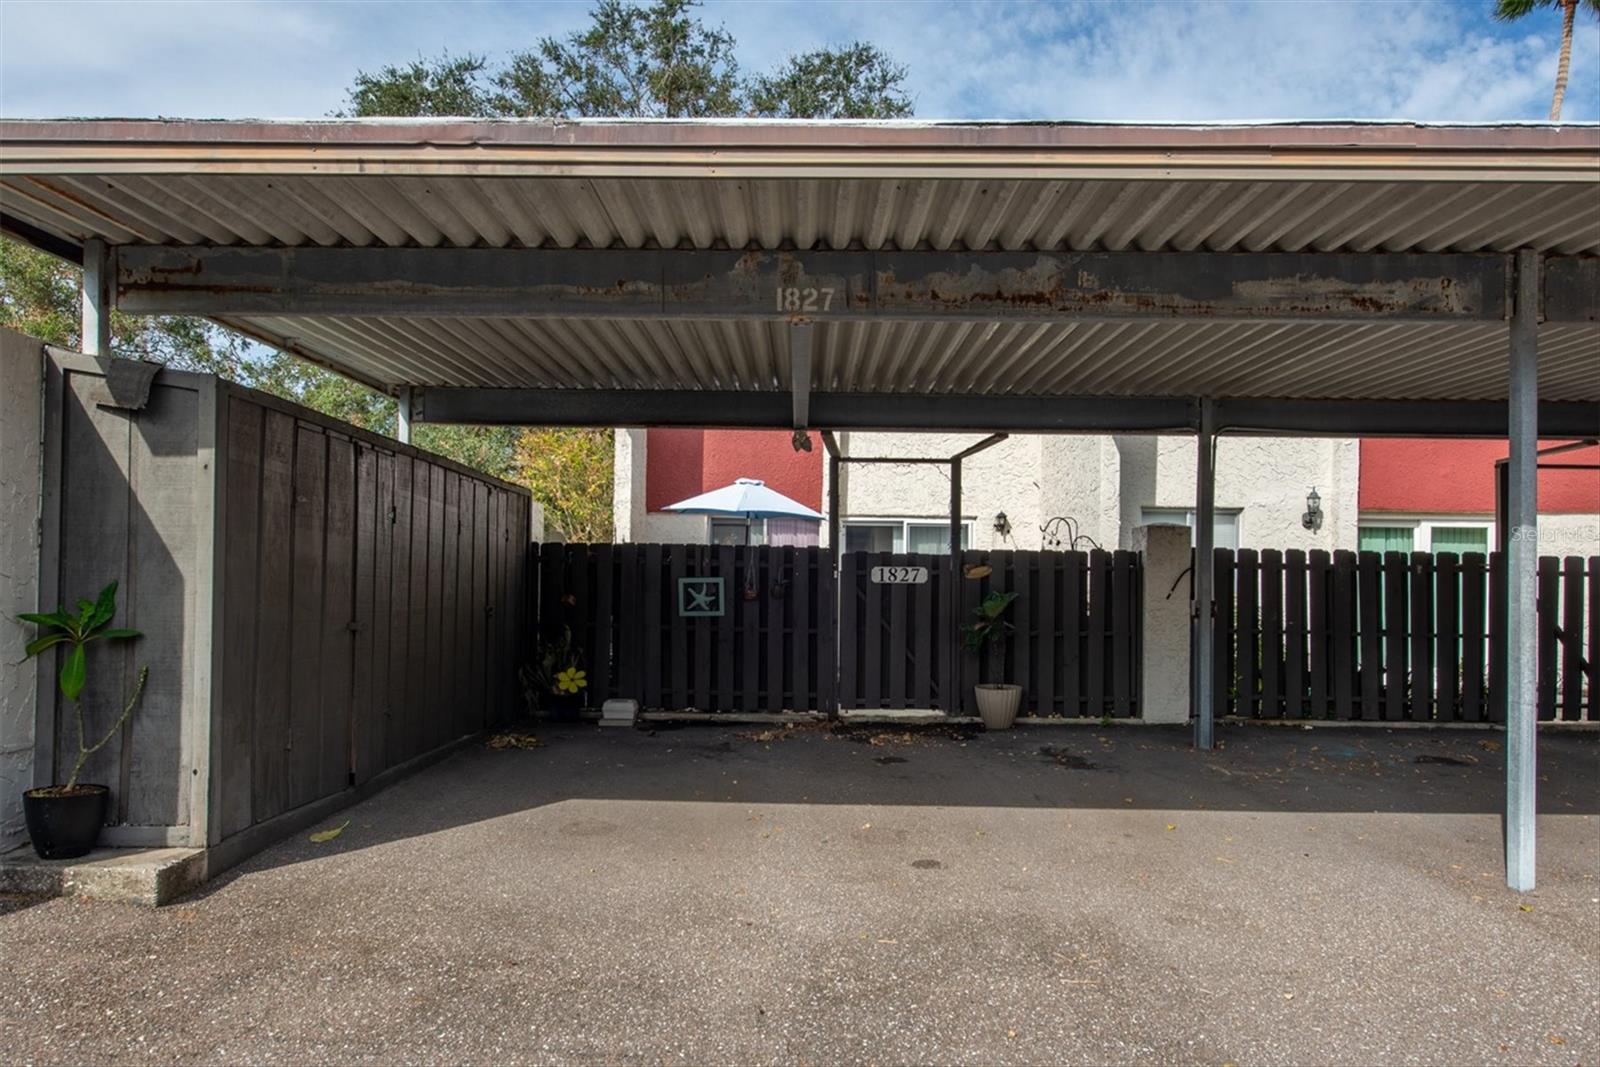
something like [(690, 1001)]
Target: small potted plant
[(997, 701), (64, 820), (559, 680)]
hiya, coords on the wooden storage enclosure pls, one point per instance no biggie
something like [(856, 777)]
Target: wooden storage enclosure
[(320, 604)]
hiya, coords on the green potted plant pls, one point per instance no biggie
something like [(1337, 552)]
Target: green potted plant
[(560, 683), (997, 701), (64, 820)]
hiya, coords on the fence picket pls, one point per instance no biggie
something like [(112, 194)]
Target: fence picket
[(1447, 627), (1548, 580), (1394, 607), (802, 588), (1593, 672), (1369, 579), (1294, 644), (1474, 637), (1272, 634), (923, 678), (1247, 625), (1342, 634), (1122, 626), (1222, 632), (1020, 579), (1074, 601), (1497, 637), (1320, 574), (1421, 599), (779, 564), (1571, 639), (1099, 627)]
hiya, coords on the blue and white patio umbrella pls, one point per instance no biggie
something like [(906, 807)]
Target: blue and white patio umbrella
[(746, 498), (749, 499)]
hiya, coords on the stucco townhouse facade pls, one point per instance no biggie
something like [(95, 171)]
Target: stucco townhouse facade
[(1060, 491)]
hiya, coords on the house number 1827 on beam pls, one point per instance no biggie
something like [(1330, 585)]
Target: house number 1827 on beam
[(796, 298)]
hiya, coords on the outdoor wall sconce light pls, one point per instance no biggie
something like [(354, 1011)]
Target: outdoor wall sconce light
[(1312, 519), (1002, 525)]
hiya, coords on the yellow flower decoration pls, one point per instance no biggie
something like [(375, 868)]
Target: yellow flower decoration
[(571, 680)]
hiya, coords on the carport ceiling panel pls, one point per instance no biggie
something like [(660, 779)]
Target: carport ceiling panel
[(1268, 214), (1308, 360), (547, 352)]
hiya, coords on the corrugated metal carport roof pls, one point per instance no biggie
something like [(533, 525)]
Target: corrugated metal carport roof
[(719, 184), (1054, 189)]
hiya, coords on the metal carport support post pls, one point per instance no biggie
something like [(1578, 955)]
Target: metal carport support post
[(1522, 557), (403, 415), (95, 309), (1205, 478)]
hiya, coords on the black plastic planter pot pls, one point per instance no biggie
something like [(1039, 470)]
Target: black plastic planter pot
[(65, 826)]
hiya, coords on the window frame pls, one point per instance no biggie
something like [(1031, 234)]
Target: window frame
[(1165, 515), (1423, 527), (903, 524)]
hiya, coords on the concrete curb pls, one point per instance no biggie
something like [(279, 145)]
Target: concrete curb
[(148, 876)]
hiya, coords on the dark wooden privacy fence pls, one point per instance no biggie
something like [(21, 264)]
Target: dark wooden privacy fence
[(771, 651), (370, 600), (1397, 636), (1075, 649), (319, 604)]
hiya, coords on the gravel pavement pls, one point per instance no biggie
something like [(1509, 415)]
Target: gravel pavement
[(875, 896)]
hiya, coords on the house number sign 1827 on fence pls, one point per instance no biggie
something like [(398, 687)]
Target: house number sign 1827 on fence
[(899, 575)]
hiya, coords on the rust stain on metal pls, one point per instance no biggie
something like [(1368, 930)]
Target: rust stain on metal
[(176, 287)]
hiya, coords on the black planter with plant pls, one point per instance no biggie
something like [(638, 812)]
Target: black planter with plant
[(64, 820)]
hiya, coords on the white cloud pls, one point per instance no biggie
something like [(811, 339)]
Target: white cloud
[(1180, 60), (245, 59), (1161, 60)]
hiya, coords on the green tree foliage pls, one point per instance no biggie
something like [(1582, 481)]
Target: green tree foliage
[(447, 85), (652, 61), (1511, 10), (655, 60), (855, 82), (569, 472)]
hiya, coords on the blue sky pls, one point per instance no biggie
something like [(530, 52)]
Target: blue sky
[(1444, 60)]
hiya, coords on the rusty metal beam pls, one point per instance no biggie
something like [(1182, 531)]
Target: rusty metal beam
[(1571, 291), (803, 286), (1019, 414)]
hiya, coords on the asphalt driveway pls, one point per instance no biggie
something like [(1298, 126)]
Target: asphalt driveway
[(739, 895)]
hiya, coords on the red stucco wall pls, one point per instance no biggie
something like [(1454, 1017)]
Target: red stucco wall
[(1452, 477), (682, 463)]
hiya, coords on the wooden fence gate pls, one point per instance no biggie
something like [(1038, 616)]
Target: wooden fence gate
[(776, 644), (770, 649), (1074, 648), (1394, 637)]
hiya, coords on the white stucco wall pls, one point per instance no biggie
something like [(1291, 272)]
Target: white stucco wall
[(1103, 483), (1266, 477), (1005, 478), (1569, 535), (21, 411), (627, 485)]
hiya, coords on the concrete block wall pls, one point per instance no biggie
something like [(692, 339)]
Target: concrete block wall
[(1165, 675), (21, 450)]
